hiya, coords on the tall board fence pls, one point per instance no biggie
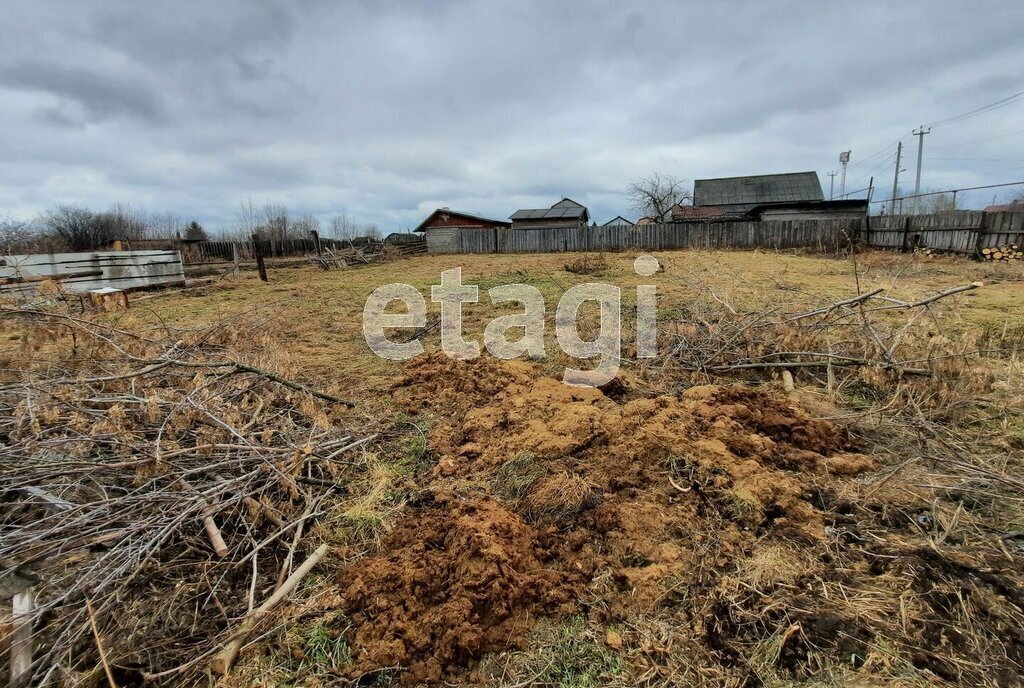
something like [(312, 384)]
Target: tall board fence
[(962, 232), (829, 235)]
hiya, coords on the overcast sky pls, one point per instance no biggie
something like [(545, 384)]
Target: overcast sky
[(387, 110)]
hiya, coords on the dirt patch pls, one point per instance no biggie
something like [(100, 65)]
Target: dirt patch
[(456, 581), (548, 495)]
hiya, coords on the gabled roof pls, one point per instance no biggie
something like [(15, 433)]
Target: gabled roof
[(570, 213), (617, 220), (457, 213), (758, 189), (567, 203)]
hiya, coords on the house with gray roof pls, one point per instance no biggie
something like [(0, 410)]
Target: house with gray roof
[(565, 213), (738, 195), (790, 196)]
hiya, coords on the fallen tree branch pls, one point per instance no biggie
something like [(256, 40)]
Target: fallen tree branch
[(817, 364), (930, 299), (224, 659), (838, 304)]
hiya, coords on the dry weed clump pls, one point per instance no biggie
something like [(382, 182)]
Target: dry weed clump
[(559, 498), (588, 264)]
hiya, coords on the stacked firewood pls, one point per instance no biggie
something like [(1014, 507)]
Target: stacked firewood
[(1006, 252)]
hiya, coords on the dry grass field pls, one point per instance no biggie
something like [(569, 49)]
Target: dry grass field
[(794, 492)]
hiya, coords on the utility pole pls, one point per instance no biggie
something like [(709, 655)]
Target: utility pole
[(919, 133), (896, 178), (844, 158), (831, 184)]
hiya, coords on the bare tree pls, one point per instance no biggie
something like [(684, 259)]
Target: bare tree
[(166, 225), (932, 203), (654, 196), (72, 224), (274, 222), (307, 222), (342, 227), (246, 223), (16, 236)]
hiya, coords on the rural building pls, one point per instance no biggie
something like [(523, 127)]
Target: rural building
[(618, 221), (565, 213), (442, 227), (446, 217), (735, 197), (791, 196)]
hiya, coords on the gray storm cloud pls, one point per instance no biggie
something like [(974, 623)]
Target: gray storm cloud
[(386, 110)]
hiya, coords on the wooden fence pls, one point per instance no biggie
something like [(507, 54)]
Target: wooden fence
[(212, 251), (217, 251), (964, 232), (827, 235)]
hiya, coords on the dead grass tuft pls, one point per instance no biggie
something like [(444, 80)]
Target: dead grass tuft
[(588, 264), (558, 498)]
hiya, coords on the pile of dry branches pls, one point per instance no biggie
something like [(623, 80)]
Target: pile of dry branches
[(862, 331), (154, 491)]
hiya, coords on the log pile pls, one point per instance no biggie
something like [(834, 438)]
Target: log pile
[(1005, 253), (153, 491)]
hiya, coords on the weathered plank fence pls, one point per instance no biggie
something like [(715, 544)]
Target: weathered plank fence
[(212, 251), (830, 235), (962, 232)]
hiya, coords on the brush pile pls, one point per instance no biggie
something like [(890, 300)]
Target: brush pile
[(154, 491), (868, 331)]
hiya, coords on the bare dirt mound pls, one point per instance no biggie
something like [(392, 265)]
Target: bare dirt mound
[(456, 581), (554, 494)]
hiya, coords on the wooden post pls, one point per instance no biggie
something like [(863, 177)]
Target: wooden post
[(906, 232), (316, 241), (21, 637), (234, 257), (979, 242), (258, 251)]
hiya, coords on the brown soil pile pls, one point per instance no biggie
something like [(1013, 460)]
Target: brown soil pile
[(458, 580), (568, 495)]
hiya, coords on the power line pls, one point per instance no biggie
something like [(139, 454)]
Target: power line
[(874, 155), (989, 138), (936, 193), (932, 157), (979, 174), (851, 193), (1009, 100)]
